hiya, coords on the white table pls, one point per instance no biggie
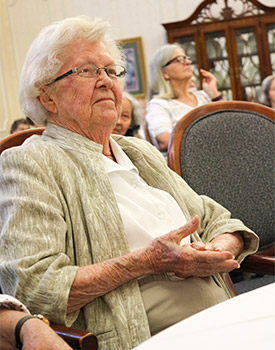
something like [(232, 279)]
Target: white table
[(244, 322)]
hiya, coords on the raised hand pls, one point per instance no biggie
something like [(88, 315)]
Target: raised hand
[(209, 84)]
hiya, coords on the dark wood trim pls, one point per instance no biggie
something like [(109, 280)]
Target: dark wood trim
[(76, 338), (179, 24)]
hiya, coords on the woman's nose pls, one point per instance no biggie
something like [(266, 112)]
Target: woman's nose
[(118, 122), (103, 79)]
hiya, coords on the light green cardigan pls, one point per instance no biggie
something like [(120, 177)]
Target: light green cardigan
[(58, 211)]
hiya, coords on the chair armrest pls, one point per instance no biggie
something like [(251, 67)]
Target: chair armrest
[(229, 284), (262, 262), (76, 338)]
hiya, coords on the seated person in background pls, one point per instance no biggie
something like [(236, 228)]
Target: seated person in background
[(101, 235), (33, 334), (130, 119), (34, 125), (19, 125), (267, 95), (170, 73)]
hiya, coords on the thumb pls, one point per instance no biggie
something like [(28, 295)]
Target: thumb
[(184, 231)]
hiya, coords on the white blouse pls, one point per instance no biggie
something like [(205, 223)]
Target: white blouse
[(146, 212), (163, 114)]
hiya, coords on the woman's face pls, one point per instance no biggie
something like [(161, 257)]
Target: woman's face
[(21, 127), (125, 118), (176, 71), (88, 106), (271, 92)]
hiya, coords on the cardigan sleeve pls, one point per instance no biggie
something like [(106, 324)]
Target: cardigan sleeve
[(11, 303), (34, 264)]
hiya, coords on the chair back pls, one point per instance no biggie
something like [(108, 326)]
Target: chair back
[(225, 150), (18, 138)]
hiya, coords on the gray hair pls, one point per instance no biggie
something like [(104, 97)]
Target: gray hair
[(136, 114), (264, 98), (46, 56), (158, 86)]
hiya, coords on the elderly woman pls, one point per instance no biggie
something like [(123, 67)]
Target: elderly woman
[(96, 231), (130, 119), (267, 95), (170, 76)]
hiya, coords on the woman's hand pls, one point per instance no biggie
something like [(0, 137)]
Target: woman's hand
[(209, 84), (166, 255), (163, 254)]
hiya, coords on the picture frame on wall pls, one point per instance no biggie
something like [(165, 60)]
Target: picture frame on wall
[(135, 79)]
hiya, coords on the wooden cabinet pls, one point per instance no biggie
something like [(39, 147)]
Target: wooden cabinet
[(236, 44)]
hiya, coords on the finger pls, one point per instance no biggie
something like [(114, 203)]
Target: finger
[(223, 255), (198, 246), (213, 257), (230, 265), (184, 231)]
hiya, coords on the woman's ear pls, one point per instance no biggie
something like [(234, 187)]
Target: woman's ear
[(164, 74), (46, 100)]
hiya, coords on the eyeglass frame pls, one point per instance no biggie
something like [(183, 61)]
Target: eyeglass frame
[(184, 59), (75, 70)]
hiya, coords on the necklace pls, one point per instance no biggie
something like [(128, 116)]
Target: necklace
[(111, 155)]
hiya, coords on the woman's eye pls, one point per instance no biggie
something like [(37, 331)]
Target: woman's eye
[(111, 71)]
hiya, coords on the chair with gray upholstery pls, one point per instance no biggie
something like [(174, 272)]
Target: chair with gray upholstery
[(225, 150)]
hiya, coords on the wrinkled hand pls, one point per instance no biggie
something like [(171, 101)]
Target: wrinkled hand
[(231, 242), (166, 255), (209, 84)]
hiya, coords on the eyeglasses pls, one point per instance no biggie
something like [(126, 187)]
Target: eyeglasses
[(89, 70), (180, 59)]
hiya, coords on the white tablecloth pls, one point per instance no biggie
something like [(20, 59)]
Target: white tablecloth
[(243, 322)]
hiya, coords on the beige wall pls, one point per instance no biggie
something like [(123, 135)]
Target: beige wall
[(21, 20)]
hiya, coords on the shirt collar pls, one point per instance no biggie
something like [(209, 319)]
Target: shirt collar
[(123, 161)]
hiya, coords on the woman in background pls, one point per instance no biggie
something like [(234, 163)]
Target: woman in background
[(130, 119), (20, 125), (169, 90), (267, 96)]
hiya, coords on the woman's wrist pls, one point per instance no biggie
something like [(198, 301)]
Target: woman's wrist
[(217, 98), (232, 242), (8, 320), (20, 330)]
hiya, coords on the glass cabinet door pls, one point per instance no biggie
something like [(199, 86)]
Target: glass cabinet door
[(218, 63), (270, 29), (248, 63), (189, 45)]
